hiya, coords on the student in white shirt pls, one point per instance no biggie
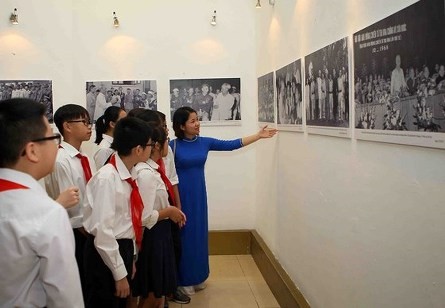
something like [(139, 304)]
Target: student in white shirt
[(156, 275), (38, 267), (110, 217), (72, 168), (104, 134)]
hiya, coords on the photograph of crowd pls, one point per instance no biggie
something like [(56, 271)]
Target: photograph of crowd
[(215, 100), (37, 90), (400, 72), (327, 86), (289, 95), (266, 112), (128, 94)]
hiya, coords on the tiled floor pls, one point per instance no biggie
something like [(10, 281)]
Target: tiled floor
[(234, 281)]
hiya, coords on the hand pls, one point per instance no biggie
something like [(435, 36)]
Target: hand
[(122, 288), (177, 216), (267, 132), (69, 197)]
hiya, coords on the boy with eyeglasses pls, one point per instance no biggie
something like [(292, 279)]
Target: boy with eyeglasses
[(72, 168), (38, 267), (113, 217)]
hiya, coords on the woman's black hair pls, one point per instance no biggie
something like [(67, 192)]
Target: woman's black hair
[(181, 116), (111, 114)]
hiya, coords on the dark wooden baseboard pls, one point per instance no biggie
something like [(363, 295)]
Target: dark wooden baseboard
[(240, 242)]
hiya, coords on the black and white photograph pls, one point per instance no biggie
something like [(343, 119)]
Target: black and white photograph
[(266, 95), (327, 86), (216, 100), (40, 91), (399, 77), (289, 97), (127, 94)]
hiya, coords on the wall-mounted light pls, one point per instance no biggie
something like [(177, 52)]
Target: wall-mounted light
[(213, 20), (258, 4), (14, 19), (272, 2), (115, 20)]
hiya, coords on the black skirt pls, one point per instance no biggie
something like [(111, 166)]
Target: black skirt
[(156, 266)]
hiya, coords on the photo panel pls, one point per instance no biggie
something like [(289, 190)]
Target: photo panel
[(217, 101), (266, 95), (399, 77), (289, 97), (127, 94), (327, 83), (40, 91)]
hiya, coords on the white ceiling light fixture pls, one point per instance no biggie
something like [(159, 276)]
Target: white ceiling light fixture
[(258, 4), (14, 18), (116, 23), (213, 20)]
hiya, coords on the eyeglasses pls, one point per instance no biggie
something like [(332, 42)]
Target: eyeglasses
[(85, 122), (57, 139)]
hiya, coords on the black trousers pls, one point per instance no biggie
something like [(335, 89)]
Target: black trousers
[(99, 281), (80, 238)]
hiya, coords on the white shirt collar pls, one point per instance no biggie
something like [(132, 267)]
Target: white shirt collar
[(72, 151), (21, 178)]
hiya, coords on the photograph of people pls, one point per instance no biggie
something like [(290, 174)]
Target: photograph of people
[(398, 76), (126, 94), (289, 95), (215, 100), (37, 90), (266, 112), (328, 83)]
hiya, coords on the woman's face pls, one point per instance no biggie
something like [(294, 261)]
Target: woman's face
[(191, 127)]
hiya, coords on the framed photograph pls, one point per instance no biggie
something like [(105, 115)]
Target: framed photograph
[(327, 83), (216, 100), (266, 94), (40, 91), (289, 97), (128, 95), (399, 77)]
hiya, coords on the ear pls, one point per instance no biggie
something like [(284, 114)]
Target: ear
[(66, 127), (112, 124), (182, 127), (32, 152)]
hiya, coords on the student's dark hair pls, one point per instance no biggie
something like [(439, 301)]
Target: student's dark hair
[(21, 120), (111, 114), (149, 116), (129, 133), (181, 116), (67, 113), (159, 134), (135, 112), (161, 115)]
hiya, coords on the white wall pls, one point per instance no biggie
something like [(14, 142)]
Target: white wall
[(72, 42), (356, 224)]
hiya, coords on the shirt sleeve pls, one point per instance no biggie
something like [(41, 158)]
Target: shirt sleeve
[(224, 145), (147, 188), (171, 168), (54, 244), (101, 198), (101, 156)]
